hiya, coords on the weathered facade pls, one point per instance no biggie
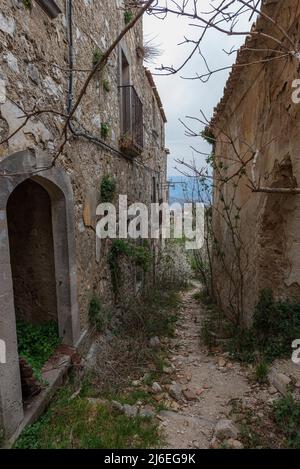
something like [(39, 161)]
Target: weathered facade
[(51, 261), (256, 126)]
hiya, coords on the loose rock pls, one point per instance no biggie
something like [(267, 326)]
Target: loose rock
[(189, 395), (130, 410), (155, 343), (280, 381), (225, 429), (156, 388), (234, 444), (175, 391)]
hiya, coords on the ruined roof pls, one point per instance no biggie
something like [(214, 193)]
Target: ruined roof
[(156, 94), (244, 56)]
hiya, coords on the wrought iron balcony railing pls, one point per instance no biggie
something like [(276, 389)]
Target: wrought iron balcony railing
[(132, 132)]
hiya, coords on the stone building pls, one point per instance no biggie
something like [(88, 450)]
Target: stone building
[(256, 126), (51, 261)]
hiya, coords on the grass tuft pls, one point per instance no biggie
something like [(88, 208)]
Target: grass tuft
[(80, 424)]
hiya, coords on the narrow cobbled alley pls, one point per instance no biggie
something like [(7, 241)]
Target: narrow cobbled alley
[(219, 403)]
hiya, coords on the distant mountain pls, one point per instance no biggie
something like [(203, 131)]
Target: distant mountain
[(184, 189)]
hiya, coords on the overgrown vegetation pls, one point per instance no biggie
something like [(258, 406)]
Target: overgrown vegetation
[(37, 343), (287, 416), (97, 315), (80, 423), (97, 54), (275, 326), (107, 189), (173, 268), (104, 130), (106, 86), (215, 326), (155, 315), (84, 418), (261, 372), (258, 429), (27, 4), (208, 136), (141, 255), (128, 16), (126, 354)]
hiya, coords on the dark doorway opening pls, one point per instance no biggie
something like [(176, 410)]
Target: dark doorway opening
[(31, 253), (30, 231)]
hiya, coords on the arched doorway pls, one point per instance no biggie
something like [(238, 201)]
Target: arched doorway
[(32, 253), (38, 277)]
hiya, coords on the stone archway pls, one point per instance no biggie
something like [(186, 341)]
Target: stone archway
[(32, 262), (21, 167)]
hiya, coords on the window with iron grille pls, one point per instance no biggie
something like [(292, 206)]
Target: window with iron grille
[(132, 127)]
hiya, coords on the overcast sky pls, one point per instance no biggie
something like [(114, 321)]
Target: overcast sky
[(182, 97)]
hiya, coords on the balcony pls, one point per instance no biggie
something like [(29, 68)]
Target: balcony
[(132, 134)]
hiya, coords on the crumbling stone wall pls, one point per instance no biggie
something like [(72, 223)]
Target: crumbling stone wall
[(257, 113), (34, 65)]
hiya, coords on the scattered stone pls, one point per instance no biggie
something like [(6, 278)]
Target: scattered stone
[(175, 391), (214, 444), (156, 388), (297, 384), (135, 383), (189, 395), (117, 406), (175, 406), (225, 429), (272, 390), (222, 362), (234, 444), (146, 412), (280, 381), (130, 410), (155, 343), (168, 370), (92, 400)]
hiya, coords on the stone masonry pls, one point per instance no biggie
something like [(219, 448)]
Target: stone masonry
[(258, 114), (36, 56)]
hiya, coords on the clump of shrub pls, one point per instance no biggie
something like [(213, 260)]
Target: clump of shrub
[(141, 255), (106, 86), (27, 4), (97, 54), (104, 130), (261, 372), (275, 326), (286, 413), (128, 16), (173, 267), (97, 315), (107, 189), (155, 314)]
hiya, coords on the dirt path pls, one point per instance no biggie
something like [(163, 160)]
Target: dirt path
[(209, 383)]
